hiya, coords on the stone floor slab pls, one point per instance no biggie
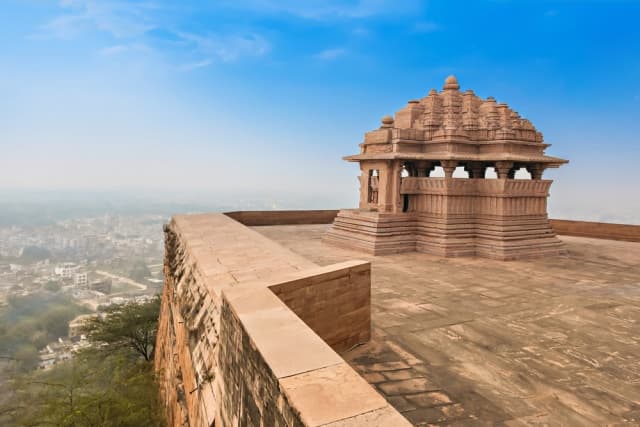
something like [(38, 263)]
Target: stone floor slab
[(551, 341)]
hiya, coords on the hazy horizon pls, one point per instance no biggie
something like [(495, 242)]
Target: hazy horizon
[(253, 103)]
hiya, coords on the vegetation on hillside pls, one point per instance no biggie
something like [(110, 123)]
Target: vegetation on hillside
[(28, 323), (110, 384), (131, 326)]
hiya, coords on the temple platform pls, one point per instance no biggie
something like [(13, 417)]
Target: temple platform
[(488, 236), (477, 342)]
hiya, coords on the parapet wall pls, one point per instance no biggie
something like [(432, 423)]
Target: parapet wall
[(596, 230), (248, 332), (254, 218), (334, 301)]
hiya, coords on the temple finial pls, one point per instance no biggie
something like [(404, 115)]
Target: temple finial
[(387, 122), (451, 83)]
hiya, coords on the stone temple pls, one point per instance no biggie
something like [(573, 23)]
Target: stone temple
[(265, 321), (404, 207)]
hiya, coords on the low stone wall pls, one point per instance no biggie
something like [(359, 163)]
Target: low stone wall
[(248, 389), (334, 301), (273, 372), (256, 218), (231, 351), (597, 230)]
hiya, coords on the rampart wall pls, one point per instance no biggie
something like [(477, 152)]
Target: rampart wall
[(248, 332), (596, 230)]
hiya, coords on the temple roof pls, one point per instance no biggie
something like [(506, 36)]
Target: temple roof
[(451, 124), (451, 112), (436, 156)]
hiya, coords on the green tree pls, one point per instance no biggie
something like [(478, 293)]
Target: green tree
[(112, 383), (129, 326), (31, 322), (93, 389)]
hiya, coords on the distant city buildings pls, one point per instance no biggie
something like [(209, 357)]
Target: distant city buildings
[(80, 279), (65, 270), (87, 259)]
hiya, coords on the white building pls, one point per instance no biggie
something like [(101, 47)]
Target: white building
[(80, 279), (65, 270)]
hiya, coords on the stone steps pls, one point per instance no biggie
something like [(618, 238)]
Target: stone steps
[(492, 237)]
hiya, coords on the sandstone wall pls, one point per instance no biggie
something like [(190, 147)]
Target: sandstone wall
[(334, 301), (598, 230), (253, 218), (230, 349), (249, 392)]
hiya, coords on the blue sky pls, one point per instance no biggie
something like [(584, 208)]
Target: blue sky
[(262, 98)]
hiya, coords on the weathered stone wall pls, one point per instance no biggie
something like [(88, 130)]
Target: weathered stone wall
[(255, 218), (332, 301), (231, 352), (597, 230), (187, 338), (274, 372), (250, 394)]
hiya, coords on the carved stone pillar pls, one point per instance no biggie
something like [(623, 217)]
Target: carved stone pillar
[(411, 168), (476, 170), (423, 168), (536, 170), (503, 169), (393, 200), (449, 166), (429, 168)]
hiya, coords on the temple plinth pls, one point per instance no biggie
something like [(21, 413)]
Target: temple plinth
[(453, 175)]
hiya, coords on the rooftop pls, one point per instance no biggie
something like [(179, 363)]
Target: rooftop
[(467, 341), (455, 125)]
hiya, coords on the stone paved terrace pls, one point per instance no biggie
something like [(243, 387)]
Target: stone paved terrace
[(473, 342)]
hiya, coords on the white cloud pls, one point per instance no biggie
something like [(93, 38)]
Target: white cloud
[(124, 48), (330, 54), (128, 23), (118, 18), (327, 9), (196, 65), (227, 48), (113, 50), (63, 27)]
